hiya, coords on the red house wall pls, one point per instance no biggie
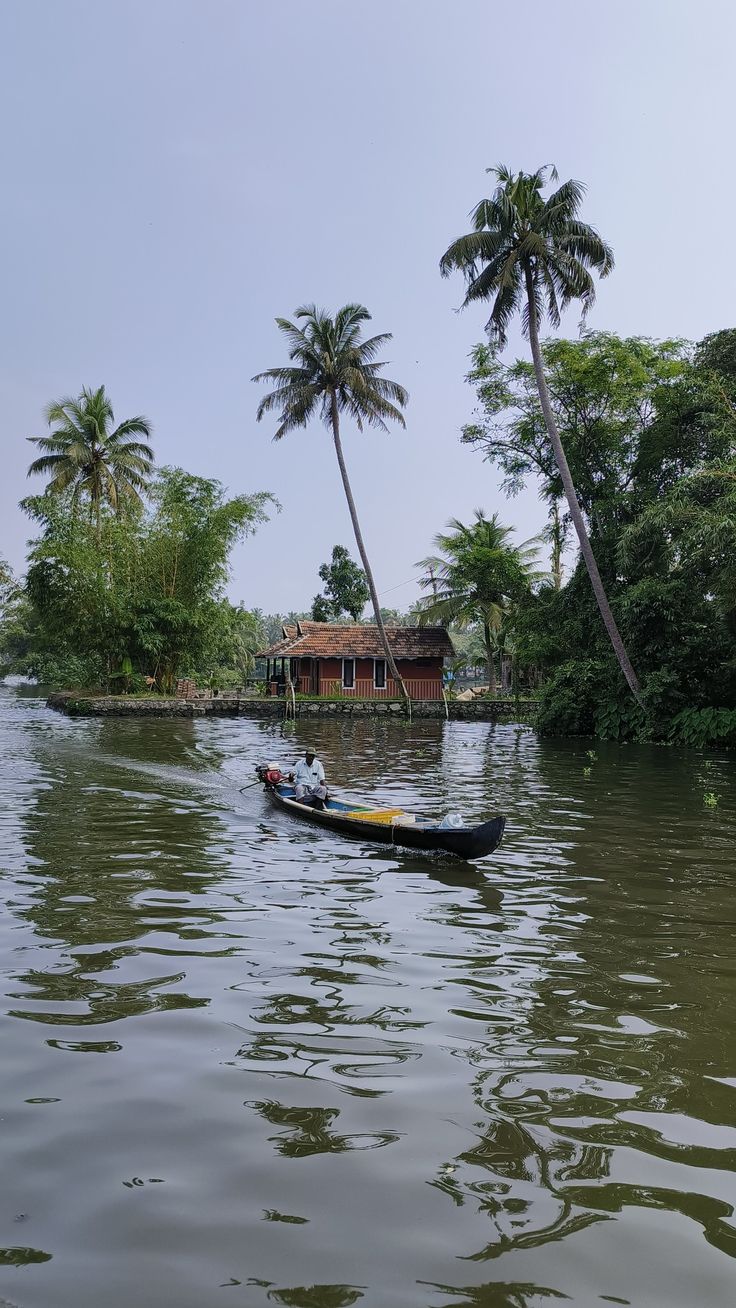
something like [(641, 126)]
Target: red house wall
[(330, 671), (422, 677)]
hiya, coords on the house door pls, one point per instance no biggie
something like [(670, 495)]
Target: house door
[(315, 676)]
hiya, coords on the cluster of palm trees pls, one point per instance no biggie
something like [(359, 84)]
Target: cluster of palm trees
[(525, 253)]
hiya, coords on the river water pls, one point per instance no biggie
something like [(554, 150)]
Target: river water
[(247, 1064)]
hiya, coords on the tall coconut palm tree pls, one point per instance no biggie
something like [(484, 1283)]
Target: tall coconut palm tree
[(88, 457), (334, 371), (529, 251), (477, 578)]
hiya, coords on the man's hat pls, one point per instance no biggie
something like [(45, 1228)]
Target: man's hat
[(309, 750)]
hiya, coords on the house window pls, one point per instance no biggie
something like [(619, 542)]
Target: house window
[(348, 674), (379, 674)]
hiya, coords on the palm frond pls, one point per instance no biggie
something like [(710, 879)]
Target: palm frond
[(467, 251), (298, 410), (47, 463), (367, 350), (138, 426), (505, 306), (135, 448), (563, 204), (52, 444), (583, 242)]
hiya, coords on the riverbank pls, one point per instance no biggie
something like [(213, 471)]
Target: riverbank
[(74, 704)]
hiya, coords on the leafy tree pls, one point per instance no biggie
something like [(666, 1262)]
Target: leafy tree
[(528, 250), (396, 618), (478, 577), (691, 533), (650, 432), (346, 590), (88, 459), (605, 392), (272, 623), (333, 371), (149, 595), (6, 585), (716, 354), (470, 649), (15, 635), (236, 634), (322, 610)]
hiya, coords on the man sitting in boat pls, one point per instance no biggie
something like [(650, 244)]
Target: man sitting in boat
[(309, 781)]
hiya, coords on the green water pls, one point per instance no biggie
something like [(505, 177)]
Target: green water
[(243, 1063)]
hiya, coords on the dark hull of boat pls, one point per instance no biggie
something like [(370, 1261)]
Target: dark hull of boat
[(462, 842)]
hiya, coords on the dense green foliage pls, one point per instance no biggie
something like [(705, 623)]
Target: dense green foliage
[(136, 595), (650, 432), (346, 589), (125, 581)]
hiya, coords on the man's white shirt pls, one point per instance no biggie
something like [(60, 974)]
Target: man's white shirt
[(304, 775)]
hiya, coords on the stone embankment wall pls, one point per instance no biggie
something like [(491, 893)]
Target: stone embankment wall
[(103, 706)]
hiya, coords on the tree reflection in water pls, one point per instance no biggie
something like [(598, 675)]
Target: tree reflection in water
[(498, 1294), (317, 1296), (115, 872), (306, 1131), (593, 1057)]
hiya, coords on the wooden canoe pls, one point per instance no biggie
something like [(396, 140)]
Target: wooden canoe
[(389, 826)]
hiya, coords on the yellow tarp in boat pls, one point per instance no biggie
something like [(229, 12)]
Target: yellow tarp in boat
[(375, 815)]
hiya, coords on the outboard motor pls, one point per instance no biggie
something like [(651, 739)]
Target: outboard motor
[(270, 775)]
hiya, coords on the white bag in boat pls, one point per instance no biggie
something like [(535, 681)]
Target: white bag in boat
[(451, 821)]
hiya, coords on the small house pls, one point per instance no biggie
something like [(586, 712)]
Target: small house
[(327, 659)]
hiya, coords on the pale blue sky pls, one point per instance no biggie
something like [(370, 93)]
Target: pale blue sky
[(177, 173)]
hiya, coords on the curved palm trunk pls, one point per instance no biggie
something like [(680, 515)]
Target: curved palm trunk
[(572, 500), (390, 663)]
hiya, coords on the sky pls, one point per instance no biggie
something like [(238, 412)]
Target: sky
[(177, 173)]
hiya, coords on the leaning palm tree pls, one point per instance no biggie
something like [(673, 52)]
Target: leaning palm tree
[(529, 251), (87, 457), (478, 578), (332, 372)]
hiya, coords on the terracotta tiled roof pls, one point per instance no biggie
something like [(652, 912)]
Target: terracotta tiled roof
[(328, 640)]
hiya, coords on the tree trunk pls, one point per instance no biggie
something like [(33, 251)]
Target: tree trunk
[(572, 499), (363, 556), (557, 543), (96, 492), (490, 664)]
